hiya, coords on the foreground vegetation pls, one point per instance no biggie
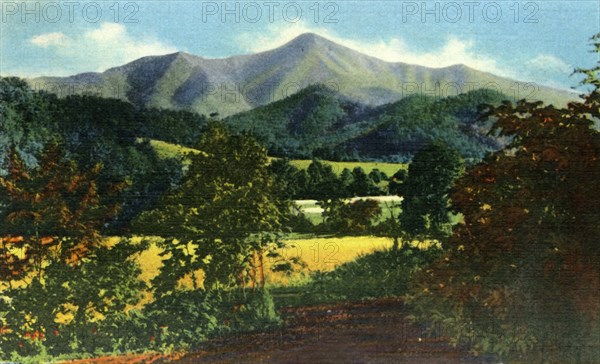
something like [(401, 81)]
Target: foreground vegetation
[(501, 255)]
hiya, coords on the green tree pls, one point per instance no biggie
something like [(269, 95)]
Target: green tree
[(377, 176), (286, 177), (346, 180), (223, 217), (25, 123), (322, 183), (396, 181), (431, 174), (362, 184)]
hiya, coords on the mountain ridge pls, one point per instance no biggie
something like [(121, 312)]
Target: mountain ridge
[(239, 83), (320, 122)]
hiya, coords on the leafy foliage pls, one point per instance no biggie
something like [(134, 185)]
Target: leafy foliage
[(54, 264), (25, 125), (350, 218), (225, 211), (53, 211), (430, 176), (520, 277), (383, 273)]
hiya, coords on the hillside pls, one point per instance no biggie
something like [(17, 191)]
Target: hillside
[(231, 85), (321, 122)]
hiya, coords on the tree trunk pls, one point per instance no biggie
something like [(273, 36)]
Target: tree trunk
[(253, 271), (262, 270)]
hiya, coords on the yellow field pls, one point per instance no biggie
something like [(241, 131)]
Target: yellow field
[(317, 254), (322, 254), (325, 254), (169, 150), (388, 168)]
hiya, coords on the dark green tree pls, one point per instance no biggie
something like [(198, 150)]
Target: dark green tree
[(362, 184), (396, 181), (322, 183), (346, 179), (25, 123), (431, 174), (286, 177), (377, 176)]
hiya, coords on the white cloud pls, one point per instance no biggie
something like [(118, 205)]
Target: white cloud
[(111, 45), (97, 49), (454, 51), (108, 32), (50, 39), (550, 63)]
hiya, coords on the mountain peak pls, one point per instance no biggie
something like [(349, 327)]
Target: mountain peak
[(307, 40)]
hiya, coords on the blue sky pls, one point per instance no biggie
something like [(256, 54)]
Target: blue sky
[(539, 41)]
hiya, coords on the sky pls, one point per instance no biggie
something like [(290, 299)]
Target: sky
[(536, 41)]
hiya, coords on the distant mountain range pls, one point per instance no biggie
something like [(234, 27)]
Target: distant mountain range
[(231, 85)]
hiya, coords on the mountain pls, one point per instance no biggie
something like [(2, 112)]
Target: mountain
[(231, 85), (321, 122)]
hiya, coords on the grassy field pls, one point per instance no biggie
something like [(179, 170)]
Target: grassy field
[(322, 254), (388, 168), (318, 254), (169, 150)]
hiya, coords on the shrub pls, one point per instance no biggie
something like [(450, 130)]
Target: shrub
[(378, 274)]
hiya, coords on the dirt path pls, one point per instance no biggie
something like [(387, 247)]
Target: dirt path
[(373, 332)]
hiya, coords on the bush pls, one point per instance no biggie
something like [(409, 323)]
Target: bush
[(184, 319), (379, 274), (349, 217)]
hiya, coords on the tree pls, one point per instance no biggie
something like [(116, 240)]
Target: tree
[(396, 181), (360, 215), (377, 176), (25, 123), (431, 174), (346, 180), (52, 211), (222, 218), (520, 277), (286, 176), (362, 185), (322, 182)]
